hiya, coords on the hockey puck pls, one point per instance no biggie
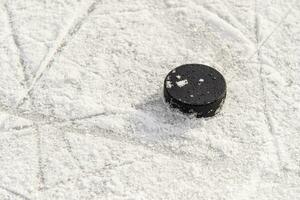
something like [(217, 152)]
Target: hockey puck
[(195, 89)]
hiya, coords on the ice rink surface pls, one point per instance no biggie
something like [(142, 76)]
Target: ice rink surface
[(81, 108)]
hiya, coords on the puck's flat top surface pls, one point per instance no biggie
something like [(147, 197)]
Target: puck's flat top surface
[(195, 84)]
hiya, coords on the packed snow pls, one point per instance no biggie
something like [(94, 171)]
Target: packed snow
[(81, 108)]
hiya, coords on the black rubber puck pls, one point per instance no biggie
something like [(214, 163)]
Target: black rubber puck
[(195, 89)]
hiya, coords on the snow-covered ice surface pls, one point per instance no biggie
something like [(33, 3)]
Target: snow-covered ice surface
[(81, 108)]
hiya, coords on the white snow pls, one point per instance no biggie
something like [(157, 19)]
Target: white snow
[(169, 84), (81, 108), (182, 83)]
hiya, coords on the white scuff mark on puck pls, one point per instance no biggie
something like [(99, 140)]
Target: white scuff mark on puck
[(191, 95), (174, 71), (169, 84), (178, 77), (201, 80), (182, 83)]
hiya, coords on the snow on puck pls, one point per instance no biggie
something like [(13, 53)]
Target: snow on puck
[(195, 89)]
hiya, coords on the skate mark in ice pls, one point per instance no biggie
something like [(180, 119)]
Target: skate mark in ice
[(41, 174), (129, 11), (61, 42), (21, 128), (39, 118), (86, 174), (277, 26), (109, 134), (18, 135), (15, 193), (88, 116), (262, 42), (231, 21), (79, 66), (70, 150), (229, 29), (237, 21), (19, 49), (267, 114)]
